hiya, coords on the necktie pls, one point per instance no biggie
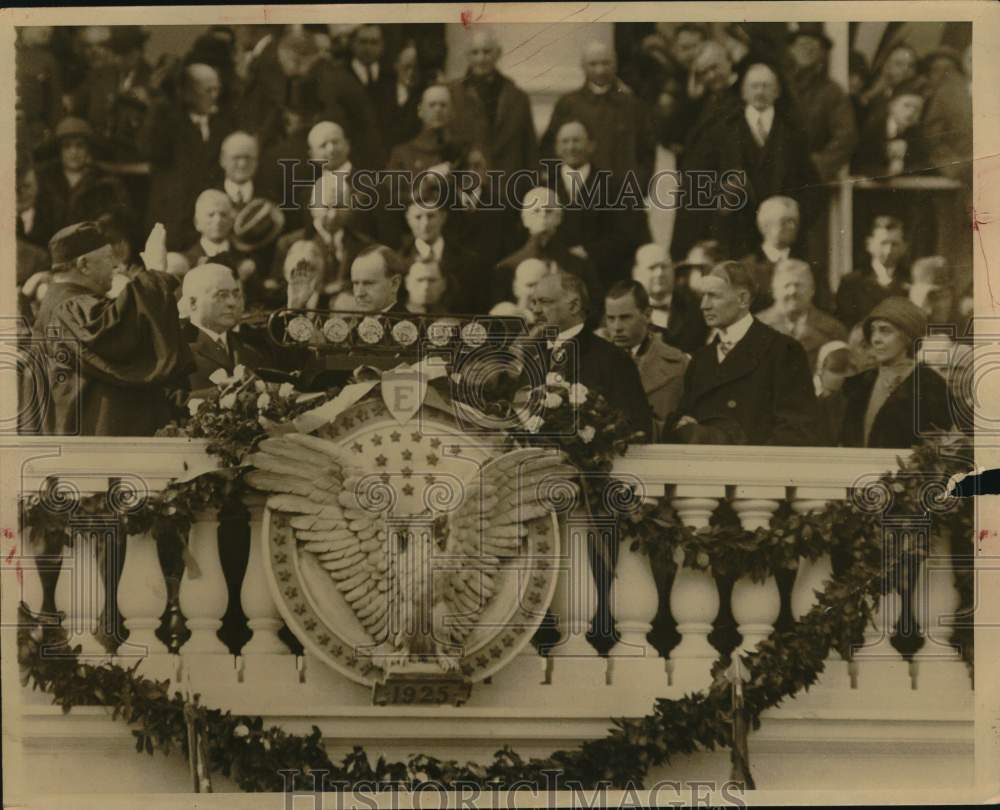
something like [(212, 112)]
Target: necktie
[(223, 347), (201, 121), (761, 133), (239, 196), (722, 347), (368, 74)]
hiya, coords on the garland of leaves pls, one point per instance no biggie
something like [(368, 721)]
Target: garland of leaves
[(781, 666)]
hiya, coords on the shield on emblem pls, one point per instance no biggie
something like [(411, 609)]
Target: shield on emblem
[(403, 391)]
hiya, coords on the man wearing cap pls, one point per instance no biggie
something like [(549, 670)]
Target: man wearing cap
[(108, 362), (824, 107), (900, 401), (750, 384), (71, 188), (674, 310), (793, 312)]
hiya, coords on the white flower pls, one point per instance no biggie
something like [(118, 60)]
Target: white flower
[(533, 423), (587, 434), (577, 394), (193, 405), (263, 401), (241, 731), (264, 422), (554, 378), (259, 386), (553, 400), (239, 372), (227, 401), (266, 743), (285, 390), (219, 376)]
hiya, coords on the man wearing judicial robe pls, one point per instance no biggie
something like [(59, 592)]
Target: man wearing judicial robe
[(108, 361), (750, 384)]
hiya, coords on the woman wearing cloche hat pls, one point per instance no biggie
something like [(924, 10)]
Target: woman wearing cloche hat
[(900, 401)]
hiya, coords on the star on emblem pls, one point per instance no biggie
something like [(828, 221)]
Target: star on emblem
[(407, 455), (279, 540), (395, 436), (538, 580), (430, 479), (377, 440), (406, 472), (381, 460), (416, 436), (309, 624), (281, 558), (407, 489), (347, 422), (323, 639), (385, 478), (435, 443), (543, 547), (534, 598), (495, 651), (337, 650), (351, 660), (284, 576), (299, 609), (291, 592), (467, 669), (432, 459), (508, 641), (482, 660), (357, 447)]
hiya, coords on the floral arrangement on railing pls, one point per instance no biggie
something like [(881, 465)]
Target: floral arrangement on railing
[(582, 425)]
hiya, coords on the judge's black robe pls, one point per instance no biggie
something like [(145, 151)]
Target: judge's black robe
[(104, 365)]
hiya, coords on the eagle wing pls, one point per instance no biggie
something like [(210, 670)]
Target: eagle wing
[(489, 526), (313, 481)]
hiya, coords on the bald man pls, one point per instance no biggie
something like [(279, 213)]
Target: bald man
[(239, 156), (182, 141), (541, 216), (619, 122), (675, 313), (490, 109), (437, 143), (764, 153)]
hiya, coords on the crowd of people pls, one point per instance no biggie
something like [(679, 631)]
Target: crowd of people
[(160, 208)]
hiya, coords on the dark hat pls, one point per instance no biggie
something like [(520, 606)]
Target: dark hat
[(811, 29), (912, 87), (257, 224), (901, 313), (125, 38), (75, 241), (931, 270), (74, 128)]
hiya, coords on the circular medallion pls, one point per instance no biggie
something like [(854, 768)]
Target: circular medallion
[(405, 333), (300, 328), (336, 329), (441, 332), (474, 334), (370, 330)]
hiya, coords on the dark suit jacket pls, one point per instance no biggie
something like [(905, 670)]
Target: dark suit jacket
[(870, 158), (781, 166), (208, 358), (762, 393), (510, 142), (600, 365), (610, 235), (859, 293), (464, 273), (58, 205), (918, 406), (181, 162)]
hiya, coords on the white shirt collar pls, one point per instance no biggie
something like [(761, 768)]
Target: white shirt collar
[(215, 336), (599, 91), (359, 70), (818, 385), (28, 219), (766, 116), (402, 94), (660, 316), (735, 332), (213, 249), (566, 334), (774, 255), (883, 275), (432, 250), (245, 189), (567, 172)]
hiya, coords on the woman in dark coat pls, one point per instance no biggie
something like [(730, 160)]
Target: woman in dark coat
[(900, 401)]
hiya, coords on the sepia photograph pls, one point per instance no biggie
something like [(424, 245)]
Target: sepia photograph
[(562, 405)]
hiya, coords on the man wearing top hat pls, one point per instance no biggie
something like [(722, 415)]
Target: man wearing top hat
[(70, 187), (106, 363)]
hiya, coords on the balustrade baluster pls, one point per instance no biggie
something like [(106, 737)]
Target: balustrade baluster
[(755, 604), (694, 597), (80, 592), (203, 598), (142, 596), (938, 663), (812, 577), (255, 594)]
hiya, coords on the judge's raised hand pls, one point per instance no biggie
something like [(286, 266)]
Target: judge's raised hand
[(154, 257), (301, 285)]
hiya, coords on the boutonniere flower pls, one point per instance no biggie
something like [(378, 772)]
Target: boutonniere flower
[(587, 434), (577, 394)]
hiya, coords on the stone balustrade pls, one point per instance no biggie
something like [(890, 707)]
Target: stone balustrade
[(573, 683)]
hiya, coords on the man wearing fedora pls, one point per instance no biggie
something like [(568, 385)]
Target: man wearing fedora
[(255, 233), (108, 362), (71, 188)]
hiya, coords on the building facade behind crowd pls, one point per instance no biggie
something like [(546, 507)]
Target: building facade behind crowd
[(267, 154)]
